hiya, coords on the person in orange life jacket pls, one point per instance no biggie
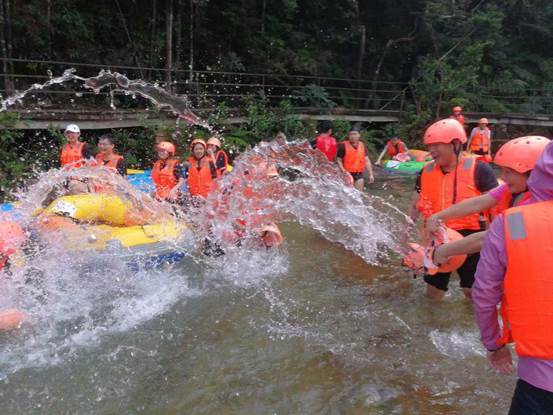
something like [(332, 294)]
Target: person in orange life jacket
[(448, 180), (201, 171), (106, 157), (393, 147), (352, 158), (480, 140), (516, 159), (325, 142), (219, 156), (515, 270), (166, 173), (457, 110), (75, 153)]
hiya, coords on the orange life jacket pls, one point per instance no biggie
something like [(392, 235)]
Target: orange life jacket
[(480, 140), (72, 157), (398, 148), (527, 305), (354, 160), (111, 164), (460, 118), (506, 202), (163, 176), (200, 176), (440, 190), (327, 144), (225, 156)]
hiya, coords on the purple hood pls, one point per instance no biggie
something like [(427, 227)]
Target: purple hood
[(540, 183)]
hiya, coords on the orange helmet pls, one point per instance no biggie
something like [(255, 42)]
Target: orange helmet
[(214, 141), (445, 236), (483, 121), (167, 146), (457, 108), (198, 141), (521, 154), (445, 131)]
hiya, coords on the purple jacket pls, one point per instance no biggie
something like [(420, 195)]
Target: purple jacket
[(488, 287)]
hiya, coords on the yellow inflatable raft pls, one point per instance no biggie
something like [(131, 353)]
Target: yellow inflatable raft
[(99, 222)]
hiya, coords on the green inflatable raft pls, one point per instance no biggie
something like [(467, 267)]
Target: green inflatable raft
[(404, 166)]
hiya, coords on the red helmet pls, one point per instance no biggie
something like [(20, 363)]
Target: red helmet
[(167, 146), (457, 108), (483, 121), (198, 141), (214, 141), (445, 131), (521, 154)]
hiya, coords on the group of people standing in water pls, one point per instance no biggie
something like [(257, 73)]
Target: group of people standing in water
[(207, 162), (507, 228), (508, 243)]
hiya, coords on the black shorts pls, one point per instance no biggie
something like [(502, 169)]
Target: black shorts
[(466, 271), (356, 176), (480, 152)]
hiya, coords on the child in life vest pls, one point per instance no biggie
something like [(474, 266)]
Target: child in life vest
[(167, 174), (220, 157), (201, 170)]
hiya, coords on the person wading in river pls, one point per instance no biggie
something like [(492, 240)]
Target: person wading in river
[(450, 179), (352, 158), (75, 153), (167, 174), (325, 142), (106, 157), (515, 269)]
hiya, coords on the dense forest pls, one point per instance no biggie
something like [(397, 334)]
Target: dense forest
[(488, 56), (452, 48)]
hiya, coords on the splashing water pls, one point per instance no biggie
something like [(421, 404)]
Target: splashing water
[(76, 302), (158, 96), (276, 182)]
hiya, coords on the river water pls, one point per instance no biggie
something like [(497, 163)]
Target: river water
[(309, 329), (326, 324)]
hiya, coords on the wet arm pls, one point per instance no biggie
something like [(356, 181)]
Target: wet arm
[(379, 159), (488, 287), (470, 244), (369, 167), (466, 207)]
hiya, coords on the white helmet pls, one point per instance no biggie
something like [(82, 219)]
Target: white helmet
[(73, 128)]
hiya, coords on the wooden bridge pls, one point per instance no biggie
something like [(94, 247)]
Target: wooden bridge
[(312, 98)]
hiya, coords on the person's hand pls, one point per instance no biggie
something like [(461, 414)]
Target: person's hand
[(432, 226), (349, 179), (405, 233), (439, 257), (371, 179), (501, 360), (173, 194)]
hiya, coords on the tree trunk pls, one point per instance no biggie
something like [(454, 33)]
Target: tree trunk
[(263, 13), (192, 18), (129, 38), (49, 24), (8, 86), (362, 47), (178, 30), (168, 44), (153, 34), (9, 8)]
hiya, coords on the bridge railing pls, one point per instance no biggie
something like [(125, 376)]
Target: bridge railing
[(205, 88)]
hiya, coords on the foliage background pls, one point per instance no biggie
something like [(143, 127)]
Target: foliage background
[(482, 54)]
